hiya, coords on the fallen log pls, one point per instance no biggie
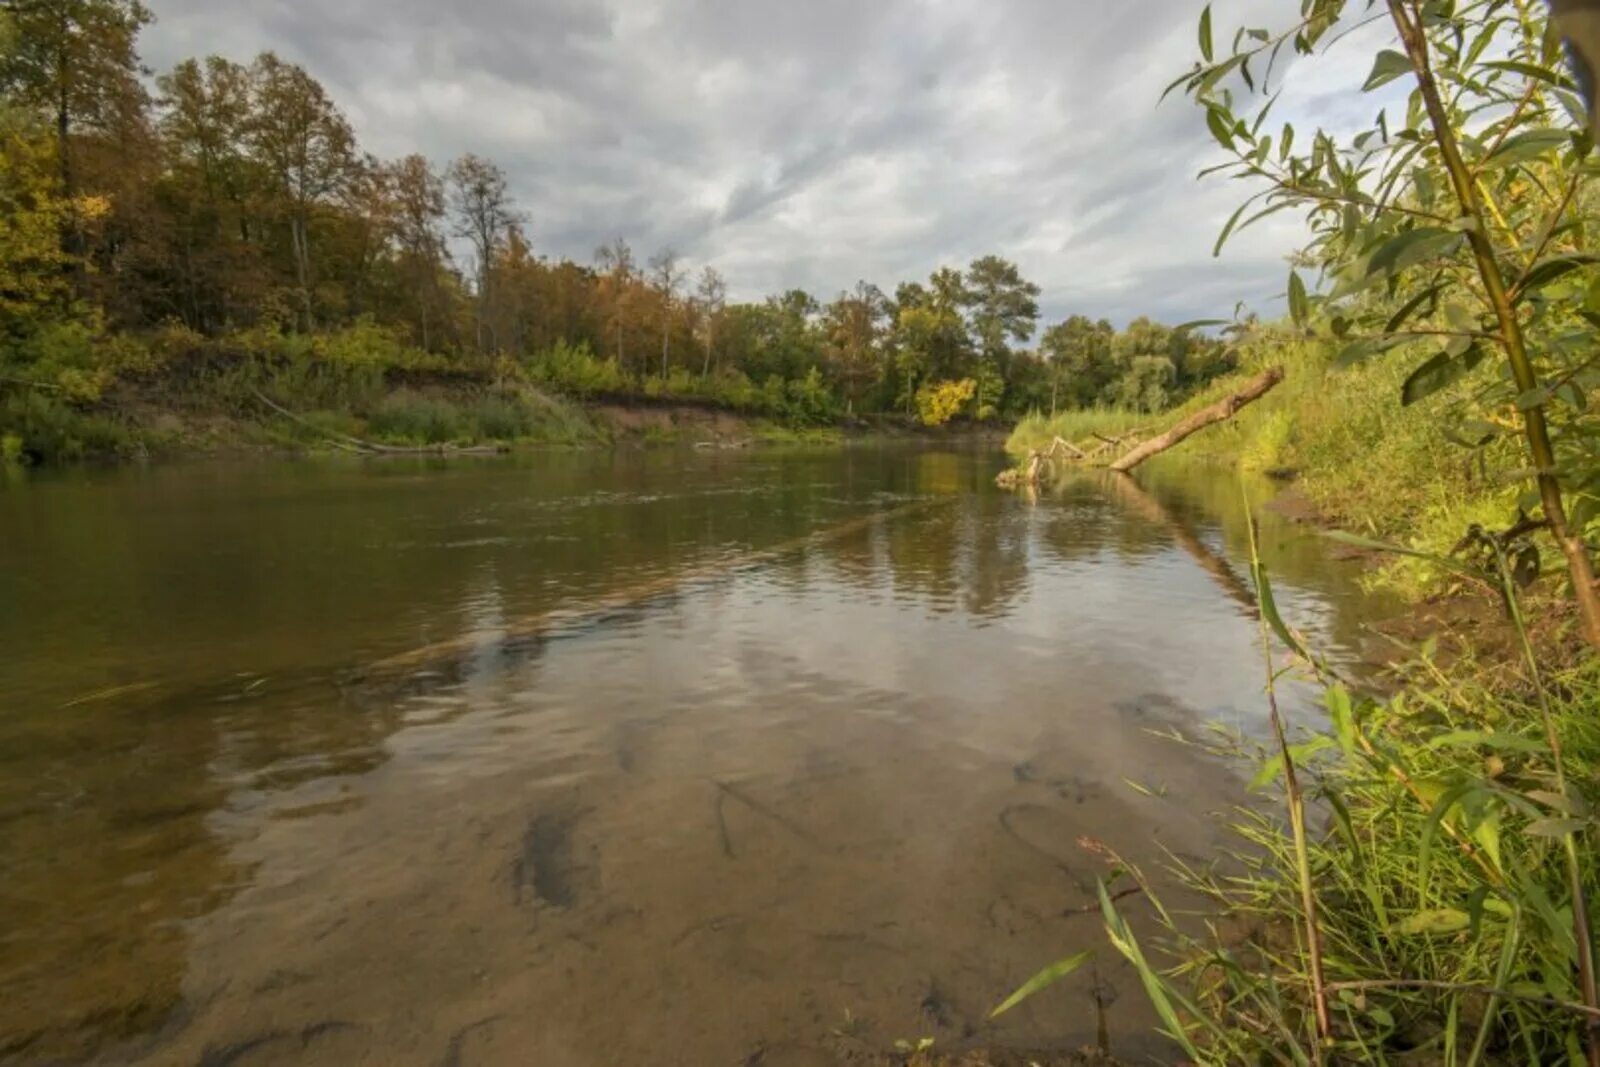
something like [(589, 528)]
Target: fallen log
[(1221, 411)]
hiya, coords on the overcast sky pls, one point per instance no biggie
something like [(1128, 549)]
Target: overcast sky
[(812, 143)]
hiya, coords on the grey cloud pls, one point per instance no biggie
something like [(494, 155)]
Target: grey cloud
[(804, 144)]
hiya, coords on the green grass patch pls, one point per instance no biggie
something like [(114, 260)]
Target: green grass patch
[(1038, 431)]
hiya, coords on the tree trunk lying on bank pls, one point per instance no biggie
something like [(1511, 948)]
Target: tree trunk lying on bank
[(1221, 411)]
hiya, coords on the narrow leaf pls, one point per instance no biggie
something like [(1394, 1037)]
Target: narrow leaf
[(1436, 922), (1529, 144), (1388, 66), (1046, 977), (1269, 610), (1409, 308), (1299, 304), (1440, 371), (1410, 248)]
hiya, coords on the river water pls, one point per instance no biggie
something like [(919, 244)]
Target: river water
[(658, 757)]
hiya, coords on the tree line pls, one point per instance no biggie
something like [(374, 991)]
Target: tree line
[(223, 198)]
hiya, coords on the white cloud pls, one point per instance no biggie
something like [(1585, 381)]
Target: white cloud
[(814, 144)]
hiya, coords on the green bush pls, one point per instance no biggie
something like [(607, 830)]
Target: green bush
[(45, 427), (576, 371), (502, 418), (408, 417), (810, 401)]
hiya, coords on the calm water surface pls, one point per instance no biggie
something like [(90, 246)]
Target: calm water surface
[(598, 759)]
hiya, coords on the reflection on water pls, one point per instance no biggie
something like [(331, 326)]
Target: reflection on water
[(599, 759)]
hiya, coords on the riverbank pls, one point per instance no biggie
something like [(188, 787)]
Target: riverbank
[(140, 417), (1440, 915)]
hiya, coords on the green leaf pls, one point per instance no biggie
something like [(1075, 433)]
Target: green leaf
[(1430, 829), (1299, 304), (1437, 922), (1411, 247), (1205, 33), (1269, 610), (1301, 754), (1198, 324), (1046, 977), (1220, 129), (1460, 319), (1343, 715), (1480, 739), (1441, 370), (1210, 78), (1548, 270), (1537, 397), (1157, 991), (1569, 805), (1554, 827), (1530, 144), (1362, 349), (1533, 72), (1388, 66), (1409, 308), (1228, 229)]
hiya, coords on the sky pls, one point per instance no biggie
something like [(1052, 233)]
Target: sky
[(812, 143)]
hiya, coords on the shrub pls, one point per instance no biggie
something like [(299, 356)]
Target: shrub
[(48, 428), (576, 371), (417, 418), (939, 402)]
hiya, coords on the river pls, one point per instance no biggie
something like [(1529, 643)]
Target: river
[(598, 758)]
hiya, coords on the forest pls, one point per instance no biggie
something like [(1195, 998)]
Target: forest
[(192, 237)]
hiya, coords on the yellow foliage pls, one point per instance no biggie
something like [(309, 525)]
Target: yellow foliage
[(32, 263), (939, 402)]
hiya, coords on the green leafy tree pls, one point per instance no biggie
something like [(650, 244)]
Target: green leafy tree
[(207, 191), (1079, 350), (1453, 227), (76, 61), (855, 329), (32, 262), (306, 147), (1003, 307)]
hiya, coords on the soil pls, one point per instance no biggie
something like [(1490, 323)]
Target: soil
[(1464, 620)]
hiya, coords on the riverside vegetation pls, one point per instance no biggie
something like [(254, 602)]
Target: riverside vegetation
[(171, 257), (1440, 349), (169, 261)]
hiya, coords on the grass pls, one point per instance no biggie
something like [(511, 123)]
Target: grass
[(1364, 461), (1446, 907), (1038, 430)]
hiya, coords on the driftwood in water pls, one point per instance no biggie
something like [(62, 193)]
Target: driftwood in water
[(1033, 473), (372, 448), (1221, 411)]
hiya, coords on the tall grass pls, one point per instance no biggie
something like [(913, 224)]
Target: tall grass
[(1363, 460), (1038, 430)]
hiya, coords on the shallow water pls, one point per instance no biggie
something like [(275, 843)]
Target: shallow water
[(594, 759)]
